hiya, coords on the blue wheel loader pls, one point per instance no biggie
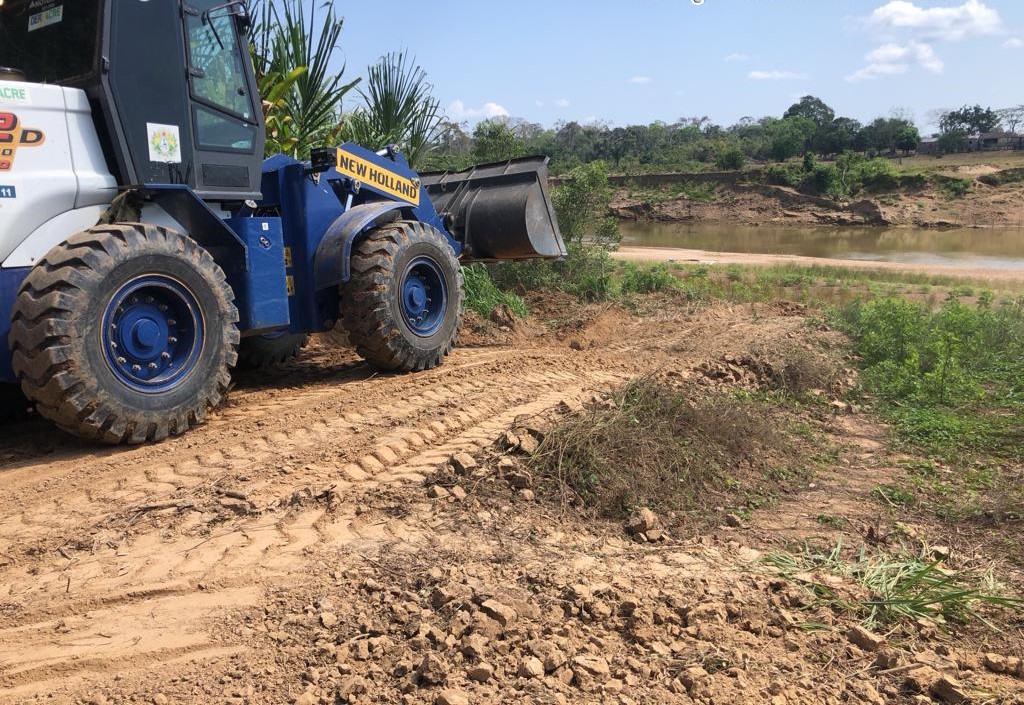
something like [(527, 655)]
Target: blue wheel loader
[(147, 248)]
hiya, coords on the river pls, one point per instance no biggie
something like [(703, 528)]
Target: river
[(990, 248)]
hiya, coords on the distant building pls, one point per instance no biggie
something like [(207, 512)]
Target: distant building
[(985, 142)]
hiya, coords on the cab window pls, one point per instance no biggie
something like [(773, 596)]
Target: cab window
[(215, 64)]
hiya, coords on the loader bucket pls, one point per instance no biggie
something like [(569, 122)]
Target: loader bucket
[(499, 211)]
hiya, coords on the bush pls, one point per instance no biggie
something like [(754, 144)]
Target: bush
[(783, 175), (482, 296), (645, 280), (731, 158), (951, 186), (951, 377)]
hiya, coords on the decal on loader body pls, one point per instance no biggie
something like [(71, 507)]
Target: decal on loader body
[(13, 136), (387, 181)]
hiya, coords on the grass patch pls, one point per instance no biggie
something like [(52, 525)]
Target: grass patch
[(483, 296), (681, 453), (884, 590)]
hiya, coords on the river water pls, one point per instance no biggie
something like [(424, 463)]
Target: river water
[(990, 248)]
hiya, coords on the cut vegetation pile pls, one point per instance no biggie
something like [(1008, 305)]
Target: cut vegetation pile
[(683, 452)]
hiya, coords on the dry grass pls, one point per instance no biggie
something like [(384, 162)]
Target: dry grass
[(684, 453)]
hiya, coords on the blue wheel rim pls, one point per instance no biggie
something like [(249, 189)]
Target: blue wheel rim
[(424, 296), (152, 334)]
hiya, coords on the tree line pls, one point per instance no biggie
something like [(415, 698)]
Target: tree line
[(809, 126)]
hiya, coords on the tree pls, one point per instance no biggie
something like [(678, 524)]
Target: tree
[(790, 137), (838, 137), (399, 108), (970, 119), (907, 138), (494, 141), (1011, 117), (288, 48), (814, 109)]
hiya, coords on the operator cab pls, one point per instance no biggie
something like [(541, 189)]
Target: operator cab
[(172, 91)]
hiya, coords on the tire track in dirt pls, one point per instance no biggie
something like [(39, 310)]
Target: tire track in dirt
[(151, 583)]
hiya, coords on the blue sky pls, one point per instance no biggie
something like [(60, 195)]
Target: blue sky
[(636, 61)]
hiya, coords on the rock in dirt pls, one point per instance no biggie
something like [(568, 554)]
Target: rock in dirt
[(949, 690), (432, 671), (519, 479), (502, 614), (526, 495), (593, 666), (437, 492), (643, 522), (480, 673), (531, 667), (463, 463), (995, 663), (452, 697), (328, 619), (473, 646), (528, 444), (869, 641), (733, 520), (920, 679)]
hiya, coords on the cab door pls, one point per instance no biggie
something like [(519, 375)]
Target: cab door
[(227, 129)]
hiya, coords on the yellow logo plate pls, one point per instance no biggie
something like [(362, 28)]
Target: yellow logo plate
[(389, 182)]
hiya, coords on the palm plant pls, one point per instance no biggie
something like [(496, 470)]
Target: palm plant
[(399, 108), (301, 92)]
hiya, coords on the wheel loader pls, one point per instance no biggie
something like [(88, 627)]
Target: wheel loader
[(147, 248)]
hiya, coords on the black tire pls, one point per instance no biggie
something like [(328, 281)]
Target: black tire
[(371, 302), (63, 318), (263, 353), (14, 406)]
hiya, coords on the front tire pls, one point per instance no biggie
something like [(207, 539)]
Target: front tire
[(125, 334), (402, 307)]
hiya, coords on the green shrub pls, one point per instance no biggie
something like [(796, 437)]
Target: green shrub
[(953, 378), (783, 175), (730, 158), (951, 186), (638, 279), (482, 296)]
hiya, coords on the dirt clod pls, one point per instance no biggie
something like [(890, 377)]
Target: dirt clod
[(869, 641)]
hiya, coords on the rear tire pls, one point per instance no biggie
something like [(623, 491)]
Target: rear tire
[(402, 307), (125, 333), (263, 352)]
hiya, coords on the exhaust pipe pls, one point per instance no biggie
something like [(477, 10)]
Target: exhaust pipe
[(499, 211)]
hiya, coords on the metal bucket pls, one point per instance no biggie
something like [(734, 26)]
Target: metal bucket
[(499, 211)]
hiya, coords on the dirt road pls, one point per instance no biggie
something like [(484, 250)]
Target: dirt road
[(288, 551)]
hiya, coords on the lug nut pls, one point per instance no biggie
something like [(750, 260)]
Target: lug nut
[(136, 368), (171, 322), (121, 361), (172, 340), (152, 365), (165, 355)]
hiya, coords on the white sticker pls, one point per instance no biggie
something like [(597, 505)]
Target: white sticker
[(45, 18), (164, 143), (14, 93)]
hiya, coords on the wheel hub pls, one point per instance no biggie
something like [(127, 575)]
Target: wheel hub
[(424, 296), (152, 333)]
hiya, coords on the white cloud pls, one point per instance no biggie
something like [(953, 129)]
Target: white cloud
[(562, 103), (458, 111), (641, 79), (540, 103), (1014, 43), (896, 59), (737, 57), (776, 75), (972, 18)]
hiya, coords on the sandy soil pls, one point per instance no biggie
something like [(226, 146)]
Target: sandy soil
[(675, 254), (290, 550)]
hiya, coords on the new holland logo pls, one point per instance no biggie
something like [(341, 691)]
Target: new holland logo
[(13, 136)]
